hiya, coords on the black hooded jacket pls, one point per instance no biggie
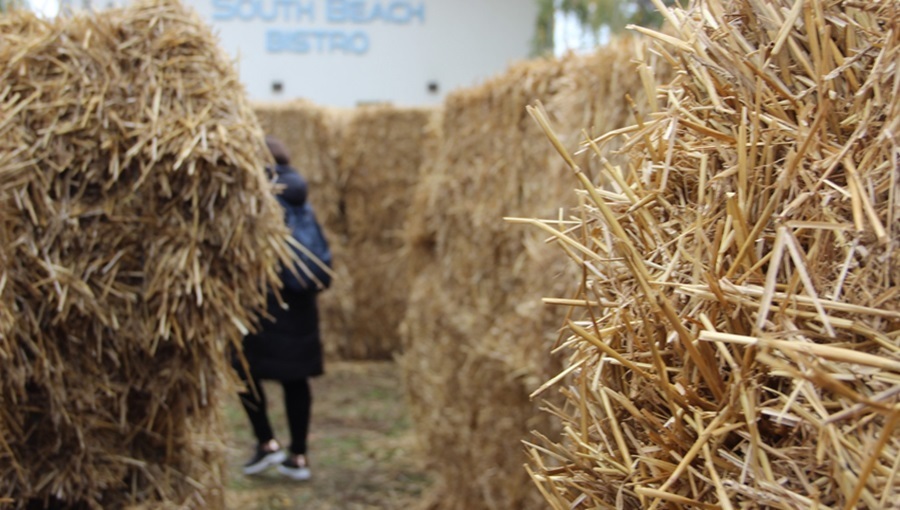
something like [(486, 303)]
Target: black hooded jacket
[(288, 347)]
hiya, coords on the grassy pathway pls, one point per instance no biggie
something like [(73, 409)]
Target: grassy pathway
[(362, 449)]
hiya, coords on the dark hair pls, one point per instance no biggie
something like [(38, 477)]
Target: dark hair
[(278, 150)]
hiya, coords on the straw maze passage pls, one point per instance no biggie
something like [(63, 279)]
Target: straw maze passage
[(396, 200), (413, 201), (362, 166), (741, 296), (665, 312), (416, 200)]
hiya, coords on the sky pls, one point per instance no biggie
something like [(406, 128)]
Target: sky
[(568, 35), (46, 8)]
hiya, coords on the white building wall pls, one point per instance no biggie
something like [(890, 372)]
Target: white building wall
[(348, 52)]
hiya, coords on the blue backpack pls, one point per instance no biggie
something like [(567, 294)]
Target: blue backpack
[(306, 231)]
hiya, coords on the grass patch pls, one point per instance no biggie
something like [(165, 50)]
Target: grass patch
[(361, 446)]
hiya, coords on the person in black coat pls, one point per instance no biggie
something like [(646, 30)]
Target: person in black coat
[(286, 349)]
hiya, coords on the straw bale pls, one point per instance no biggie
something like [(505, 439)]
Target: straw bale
[(139, 237), (380, 151), (477, 282), (734, 340)]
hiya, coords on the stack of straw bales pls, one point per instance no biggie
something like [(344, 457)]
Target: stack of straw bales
[(362, 165), (380, 152), (139, 235), (477, 281), (735, 338)]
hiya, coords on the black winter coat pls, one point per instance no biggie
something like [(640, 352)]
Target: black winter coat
[(288, 347)]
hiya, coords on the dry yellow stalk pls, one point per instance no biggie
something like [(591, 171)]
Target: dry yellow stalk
[(754, 237), (147, 236)]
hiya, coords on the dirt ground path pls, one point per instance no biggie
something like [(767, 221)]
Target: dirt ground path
[(362, 450)]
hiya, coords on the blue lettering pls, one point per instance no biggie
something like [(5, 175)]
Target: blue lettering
[(357, 11), (267, 16), (317, 41), (359, 43), (335, 11), (299, 44), (266, 10), (417, 11), (375, 14), (321, 37), (276, 10), (398, 12), (274, 41), (243, 13), (308, 9), (223, 10), (338, 41)]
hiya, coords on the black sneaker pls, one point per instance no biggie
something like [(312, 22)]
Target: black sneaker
[(295, 467), (264, 458)]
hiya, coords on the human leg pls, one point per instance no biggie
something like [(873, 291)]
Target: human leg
[(268, 450), (298, 406)]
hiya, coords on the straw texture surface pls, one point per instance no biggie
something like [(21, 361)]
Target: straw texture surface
[(381, 153), (139, 235), (735, 338), (476, 334)]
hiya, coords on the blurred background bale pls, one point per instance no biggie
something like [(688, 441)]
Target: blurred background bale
[(139, 236), (362, 165), (380, 151), (736, 337), (476, 335)]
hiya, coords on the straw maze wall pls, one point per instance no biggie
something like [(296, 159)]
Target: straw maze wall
[(736, 337), (415, 202), (427, 191), (139, 236)]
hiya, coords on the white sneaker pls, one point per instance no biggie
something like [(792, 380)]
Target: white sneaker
[(263, 459), (295, 467)]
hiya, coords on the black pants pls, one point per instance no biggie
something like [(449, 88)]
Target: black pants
[(297, 404)]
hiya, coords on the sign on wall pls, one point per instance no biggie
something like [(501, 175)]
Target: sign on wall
[(334, 27)]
